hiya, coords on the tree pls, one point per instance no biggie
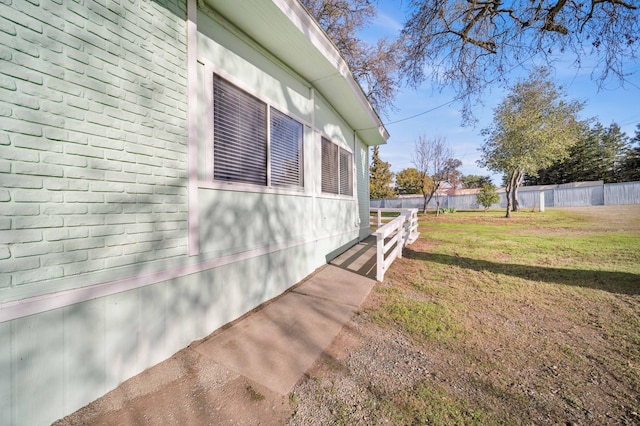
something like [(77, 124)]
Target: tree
[(468, 45), (487, 196), (373, 66), (599, 154), (433, 160), (380, 177), (409, 181), (614, 146), (475, 181), (631, 164), (454, 176), (532, 127)]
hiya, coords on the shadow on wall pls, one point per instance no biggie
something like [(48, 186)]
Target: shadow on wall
[(610, 281)]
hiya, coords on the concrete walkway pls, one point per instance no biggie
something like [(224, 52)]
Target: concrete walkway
[(264, 354), (275, 345)]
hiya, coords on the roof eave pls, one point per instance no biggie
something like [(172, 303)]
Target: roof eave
[(299, 41)]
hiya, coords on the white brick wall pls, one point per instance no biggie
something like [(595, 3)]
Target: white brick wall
[(93, 155)]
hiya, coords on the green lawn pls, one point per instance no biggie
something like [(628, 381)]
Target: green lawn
[(533, 319)]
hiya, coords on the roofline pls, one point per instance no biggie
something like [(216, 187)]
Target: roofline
[(302, 18)]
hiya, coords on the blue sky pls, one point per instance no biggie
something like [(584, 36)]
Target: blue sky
[(608, 104)]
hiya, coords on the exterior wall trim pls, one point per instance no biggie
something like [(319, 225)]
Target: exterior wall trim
[(192, 84), (37, 304)]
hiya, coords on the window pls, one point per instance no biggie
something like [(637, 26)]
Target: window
[(239, 135), (346, 176), (286, 150), (337, 173), (243, 144)]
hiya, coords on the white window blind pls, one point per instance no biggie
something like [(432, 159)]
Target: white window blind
[(329, 167), (286, 150), (346, 173), (239, 135), (337, 172)]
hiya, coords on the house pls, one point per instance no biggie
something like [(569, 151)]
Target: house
[(165, 167)]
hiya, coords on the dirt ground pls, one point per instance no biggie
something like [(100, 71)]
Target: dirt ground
[(531, 359)]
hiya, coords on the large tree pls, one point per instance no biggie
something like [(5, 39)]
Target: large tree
[(380, 177), (434, 161), (532, 127), (631, 164), (599, 154), (468, 45), (375, 65)]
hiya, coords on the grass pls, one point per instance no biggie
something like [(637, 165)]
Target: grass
[(533, 319), (423, 319), (254, 395)]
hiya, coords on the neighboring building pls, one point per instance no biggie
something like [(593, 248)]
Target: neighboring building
[(164, 168)]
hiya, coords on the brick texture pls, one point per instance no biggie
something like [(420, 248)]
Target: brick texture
[(94, 145)]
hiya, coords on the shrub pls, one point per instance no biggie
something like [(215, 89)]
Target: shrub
[(487, 196), (448, 210)]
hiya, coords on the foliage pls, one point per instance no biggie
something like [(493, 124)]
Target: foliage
[(409, 181), (448, 210), (468, 45), (380, 177), (475, 181), (631, 164), (434, 161), (487, 196), (601, 154), (454, 176), (373, 66), (532, 127)]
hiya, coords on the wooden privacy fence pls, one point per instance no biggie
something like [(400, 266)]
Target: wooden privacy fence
[(395, 228)]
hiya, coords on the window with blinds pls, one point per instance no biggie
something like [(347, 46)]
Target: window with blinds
[(239, 135), (286, 150), (242, 146), (337, 173), (346, 173), (329, 167)]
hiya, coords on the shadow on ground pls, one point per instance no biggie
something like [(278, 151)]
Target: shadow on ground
[(610, 281)]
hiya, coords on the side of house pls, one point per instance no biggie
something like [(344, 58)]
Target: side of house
[(165, 166)]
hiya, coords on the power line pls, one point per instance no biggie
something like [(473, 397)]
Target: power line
[(483, 86), (421, 113)]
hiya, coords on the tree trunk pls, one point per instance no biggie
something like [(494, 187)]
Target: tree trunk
[(509, 192), (518, 174)]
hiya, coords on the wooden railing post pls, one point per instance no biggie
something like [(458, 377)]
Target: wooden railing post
[(379, 257), (401, 242)]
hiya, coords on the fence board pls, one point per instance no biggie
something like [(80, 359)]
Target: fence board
[(583, 194)]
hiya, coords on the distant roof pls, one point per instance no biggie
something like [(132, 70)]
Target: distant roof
[(287, 30)]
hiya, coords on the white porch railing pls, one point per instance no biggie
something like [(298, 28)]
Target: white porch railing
[(392, 234)]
